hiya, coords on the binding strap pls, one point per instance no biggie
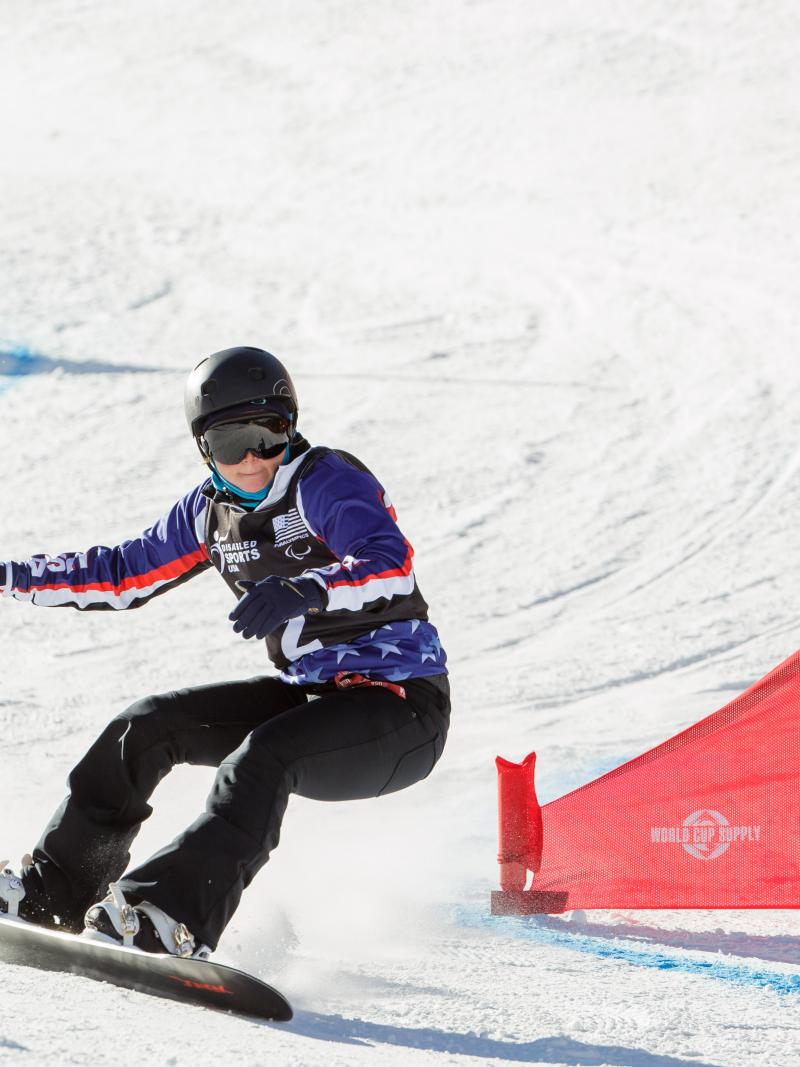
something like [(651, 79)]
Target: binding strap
[(345, 680)]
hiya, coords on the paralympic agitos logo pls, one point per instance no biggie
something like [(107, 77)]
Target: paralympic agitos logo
[(705, 834)]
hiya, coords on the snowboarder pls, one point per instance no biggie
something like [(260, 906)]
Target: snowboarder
[(307, 540)]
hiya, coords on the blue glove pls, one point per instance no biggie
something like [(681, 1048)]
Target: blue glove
[(268, 604)]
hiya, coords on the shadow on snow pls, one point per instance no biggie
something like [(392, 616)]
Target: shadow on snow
[(543, 1050)]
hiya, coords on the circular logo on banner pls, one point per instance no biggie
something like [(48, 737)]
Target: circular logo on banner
[(706, 840)]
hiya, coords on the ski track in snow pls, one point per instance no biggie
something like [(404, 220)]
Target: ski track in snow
[(535, 265)]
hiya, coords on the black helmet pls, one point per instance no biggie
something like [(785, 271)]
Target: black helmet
[(233, 377)]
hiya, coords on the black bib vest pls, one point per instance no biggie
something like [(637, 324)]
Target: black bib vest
[(250, 545)]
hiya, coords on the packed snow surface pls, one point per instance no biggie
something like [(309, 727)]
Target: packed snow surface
[(537, 265)]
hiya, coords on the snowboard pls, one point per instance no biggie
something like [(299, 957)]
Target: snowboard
[(202, 982)]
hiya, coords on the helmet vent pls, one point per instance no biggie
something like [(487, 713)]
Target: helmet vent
[(207, 388), (256, 373)]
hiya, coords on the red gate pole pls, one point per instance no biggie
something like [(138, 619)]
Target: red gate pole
[(519, 822)]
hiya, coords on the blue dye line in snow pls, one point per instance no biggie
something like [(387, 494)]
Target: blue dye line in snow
[(19, 361), (528, 929), (16, 363)]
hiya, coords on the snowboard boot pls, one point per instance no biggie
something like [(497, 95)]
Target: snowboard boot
[(144, 926), (23, 896)]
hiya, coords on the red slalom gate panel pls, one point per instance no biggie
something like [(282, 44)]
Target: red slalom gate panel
[(708, 819)]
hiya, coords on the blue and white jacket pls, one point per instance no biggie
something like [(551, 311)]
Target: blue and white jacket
[(325, 517)]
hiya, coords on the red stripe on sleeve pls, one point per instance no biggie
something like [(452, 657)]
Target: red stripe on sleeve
[(168, 572)]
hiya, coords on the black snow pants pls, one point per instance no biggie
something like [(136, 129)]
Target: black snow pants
[(269, 740)]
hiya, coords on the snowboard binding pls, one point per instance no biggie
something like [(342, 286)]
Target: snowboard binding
[(12, 891), (144, 926)]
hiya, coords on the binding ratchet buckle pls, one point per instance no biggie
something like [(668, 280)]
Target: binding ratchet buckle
[(184, 942)]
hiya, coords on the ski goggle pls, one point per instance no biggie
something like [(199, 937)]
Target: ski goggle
[(229, 442)]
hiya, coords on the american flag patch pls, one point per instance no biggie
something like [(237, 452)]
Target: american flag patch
[(289, 527)]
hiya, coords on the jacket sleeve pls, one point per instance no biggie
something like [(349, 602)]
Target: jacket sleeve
[(349, 511), (126, 576)]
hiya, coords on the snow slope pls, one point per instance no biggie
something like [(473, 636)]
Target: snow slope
[(537, 265)]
